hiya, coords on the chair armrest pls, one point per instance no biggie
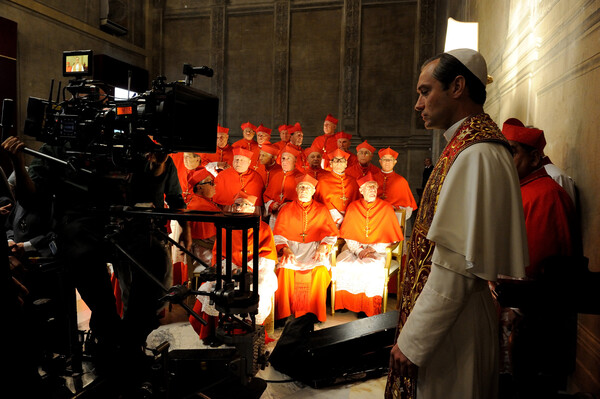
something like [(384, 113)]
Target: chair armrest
[(388, 254), (335, 249)]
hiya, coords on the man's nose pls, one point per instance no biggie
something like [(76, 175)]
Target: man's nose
[(419, 104)]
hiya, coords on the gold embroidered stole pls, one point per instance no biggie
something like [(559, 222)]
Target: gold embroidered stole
[(475, 129)]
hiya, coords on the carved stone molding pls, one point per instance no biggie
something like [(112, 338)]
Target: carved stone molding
[(426, 36), (281, 52), (350, 68), (425, 49), (217, 50)]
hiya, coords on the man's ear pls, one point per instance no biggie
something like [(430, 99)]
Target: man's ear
[(458, 86), (535, 159)]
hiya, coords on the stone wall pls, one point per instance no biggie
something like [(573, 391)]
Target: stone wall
[(544, 58), (279, 62)]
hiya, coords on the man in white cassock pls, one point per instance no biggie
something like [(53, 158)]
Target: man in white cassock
[(469, 229)]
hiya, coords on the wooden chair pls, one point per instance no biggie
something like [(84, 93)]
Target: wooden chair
[(335, 251), (269, 322), (396, 261), (392, 265)]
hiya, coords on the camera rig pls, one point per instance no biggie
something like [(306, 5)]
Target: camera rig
[(103, 136), (236, 293), (105, 131)]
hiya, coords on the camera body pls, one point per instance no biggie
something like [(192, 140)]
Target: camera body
[(171, 117)]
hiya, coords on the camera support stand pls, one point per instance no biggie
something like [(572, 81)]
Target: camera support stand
[(175, 294), (228, 299)]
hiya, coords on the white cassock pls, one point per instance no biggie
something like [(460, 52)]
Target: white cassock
[(479, 231)]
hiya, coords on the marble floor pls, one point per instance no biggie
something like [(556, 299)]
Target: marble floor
[(180, 335), (177, 331)]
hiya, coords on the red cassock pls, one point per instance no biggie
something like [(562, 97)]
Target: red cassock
[(357, 170), (255, 161), (267, 172), (266, 245), (325, 143), (229, 183), (183, 174), (302, 291), (202, 230), (224, 154), (250, 145), (280, 144), (549, 219), (352, 159), (198, 230), (266, 250), (337, 191), (282, 187), (377, 228), (370, 224), (394, 189), (316, 173)]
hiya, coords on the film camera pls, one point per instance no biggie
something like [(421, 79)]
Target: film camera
[(91, 121)]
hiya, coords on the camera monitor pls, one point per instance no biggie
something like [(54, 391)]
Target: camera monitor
[(77, 63)]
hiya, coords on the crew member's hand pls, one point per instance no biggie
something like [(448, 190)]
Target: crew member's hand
[(17, 249), (185, 238), (5, 209), (401, 365), (14, 147), (287, 256)]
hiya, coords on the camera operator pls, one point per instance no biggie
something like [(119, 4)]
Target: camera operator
[(81, 209), (22, 348), (29, 228)]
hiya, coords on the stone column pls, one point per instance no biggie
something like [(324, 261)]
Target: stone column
[(281, 55), (425, 48), (154, 37), (217, 51), (350, 66)]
